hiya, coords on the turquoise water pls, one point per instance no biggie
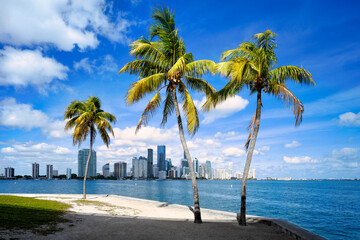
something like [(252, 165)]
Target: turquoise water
[(328, 208)]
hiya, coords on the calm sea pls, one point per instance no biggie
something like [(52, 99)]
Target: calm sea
[(328, 208)]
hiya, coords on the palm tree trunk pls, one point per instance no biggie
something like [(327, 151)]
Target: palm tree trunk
[(197, 213), (87, 165), (242, 219)]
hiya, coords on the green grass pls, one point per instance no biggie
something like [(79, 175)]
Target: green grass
[(23, 213)]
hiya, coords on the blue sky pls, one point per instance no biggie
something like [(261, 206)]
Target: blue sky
[(53, 52)]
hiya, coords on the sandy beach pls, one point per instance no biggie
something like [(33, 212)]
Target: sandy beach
[(118, 217)]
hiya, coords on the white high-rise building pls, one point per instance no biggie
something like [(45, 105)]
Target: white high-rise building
[(9, 172), (68, 173), (139, 167), (49, 171), (106, 170), (35, 170)]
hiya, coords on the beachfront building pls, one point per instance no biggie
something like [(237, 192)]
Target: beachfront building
[(120, 170), (162, 175), (68, 173), (82, 158), (35, 170), (150, 157), (155, 171), (252, 174), (184, 163), (168, 165), (139, 167), (55, 173), (9, 172), (106, 170), (238, 175), (49, 171), (223, 174), (208, 170), (161, 156)]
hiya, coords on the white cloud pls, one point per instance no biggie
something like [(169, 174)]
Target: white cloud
[(349, 119), (345, 154), (21, 68), (225, 135), (61, 23), (264, 148), (293, 144), (18, 115), (297, 160), (224, 109), (234, 152), (101, 65), (21, 155)]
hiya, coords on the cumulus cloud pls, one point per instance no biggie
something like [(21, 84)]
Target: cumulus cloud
[(225, 135), (19, 115), (234, 152), (101, 65), (293, 144), (21, 68), (350, 119), (345, 154), (24, 154), (224, 109), (297, 160), (61, 23)]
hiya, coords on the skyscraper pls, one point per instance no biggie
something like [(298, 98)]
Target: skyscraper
[(9, 172), (150, 162), (120, 170), (209, 171), (35, 170), (196, 165), (106, 170), (139, 167), (49, 171), (68, 173), (82, 158), (161, 156)]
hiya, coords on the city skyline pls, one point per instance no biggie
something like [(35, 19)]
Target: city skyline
[(57, 70)]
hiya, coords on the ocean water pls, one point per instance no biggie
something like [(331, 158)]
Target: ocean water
[(328, 208)]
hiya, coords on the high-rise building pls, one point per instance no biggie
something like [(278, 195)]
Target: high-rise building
[(106, 170), (168, 165), (196, 165), (155, 171), (120, 170), (209, 171), (49, 171), (162, 175), (82, 158), (139, 167), (161, 156), (55, 173), (35, 170), (9, 172), (68, 173), (172, 173), (150, 163)]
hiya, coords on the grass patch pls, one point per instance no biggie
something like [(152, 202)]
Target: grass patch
[(23, 213), (107, 207)]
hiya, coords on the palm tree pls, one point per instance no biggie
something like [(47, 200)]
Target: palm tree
[(165, 65), (253, 65), (85, 117)]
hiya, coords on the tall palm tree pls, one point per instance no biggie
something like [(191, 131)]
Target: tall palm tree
[(86, 117), (165, 65), (253, 65)]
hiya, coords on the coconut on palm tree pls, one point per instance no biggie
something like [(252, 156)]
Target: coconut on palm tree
[(253, 65), (87, 118), (164, 67)]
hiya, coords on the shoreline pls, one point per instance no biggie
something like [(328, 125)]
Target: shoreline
[(99, 208)]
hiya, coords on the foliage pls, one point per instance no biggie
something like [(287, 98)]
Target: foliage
[(164, 64)]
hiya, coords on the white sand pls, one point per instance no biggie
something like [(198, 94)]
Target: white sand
[(132, 207)]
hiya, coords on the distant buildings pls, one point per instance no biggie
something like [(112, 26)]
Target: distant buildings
[(161, 156), (55, 173), (150, 156), (139, 166), (68, 173), (49, 171), (9, 172), (196, 165), (35, 170), (82, 159), (106, 170), (120, 170)]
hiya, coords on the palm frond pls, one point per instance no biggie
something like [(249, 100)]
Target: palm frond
[(179, 66), (297, 74), (149, 111), (168, 108), (200, 67), (200, 85), (146, 85), (289, 99), (190, 111)]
